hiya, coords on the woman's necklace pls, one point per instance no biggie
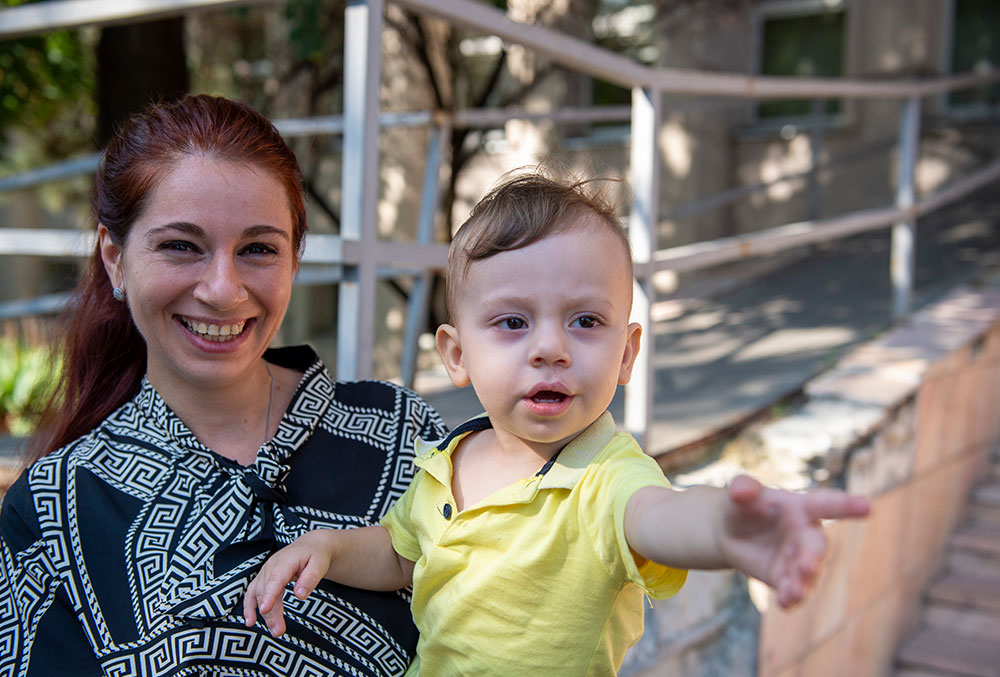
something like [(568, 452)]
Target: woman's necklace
[(270, 401)]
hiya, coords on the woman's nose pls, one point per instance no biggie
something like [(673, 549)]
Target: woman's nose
[(221, 285)]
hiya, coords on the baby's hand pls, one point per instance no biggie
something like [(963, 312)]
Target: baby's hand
[(776, 536), (305, 561)]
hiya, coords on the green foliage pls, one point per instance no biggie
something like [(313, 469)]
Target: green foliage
[(47, 82), (306, 32), (28, 377)]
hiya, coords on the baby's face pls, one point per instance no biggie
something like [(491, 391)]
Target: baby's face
[(544, 335)]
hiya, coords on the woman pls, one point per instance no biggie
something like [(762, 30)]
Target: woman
[(182, 451)]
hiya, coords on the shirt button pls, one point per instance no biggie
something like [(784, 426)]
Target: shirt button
[(446, 511)]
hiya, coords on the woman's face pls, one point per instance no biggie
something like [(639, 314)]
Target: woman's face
[(207, 271)]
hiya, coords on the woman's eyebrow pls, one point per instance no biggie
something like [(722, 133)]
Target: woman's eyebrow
[(182, 226), (254, 231), (194, 229)]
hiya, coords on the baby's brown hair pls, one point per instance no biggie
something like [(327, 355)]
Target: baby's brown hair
[(521, 209)]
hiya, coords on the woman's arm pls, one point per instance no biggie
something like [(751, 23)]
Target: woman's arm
[(773, 535), (361, 558), (37, 620)]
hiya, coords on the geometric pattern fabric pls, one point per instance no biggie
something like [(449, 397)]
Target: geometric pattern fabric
[(128, 552)]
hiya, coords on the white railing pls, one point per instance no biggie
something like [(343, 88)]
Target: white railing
[(358, 258)]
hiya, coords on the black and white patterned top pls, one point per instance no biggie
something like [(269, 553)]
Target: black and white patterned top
[(128, 551)]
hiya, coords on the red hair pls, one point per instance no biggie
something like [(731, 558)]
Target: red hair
[(104, 356)]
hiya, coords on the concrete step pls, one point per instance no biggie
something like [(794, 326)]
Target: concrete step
[(984, 505), (982, 591), (982, 538), (975, 550), (966, 605), (931, 649), (963, 620), (988, 494)]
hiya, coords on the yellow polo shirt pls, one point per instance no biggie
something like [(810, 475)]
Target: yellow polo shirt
[(537, 578)]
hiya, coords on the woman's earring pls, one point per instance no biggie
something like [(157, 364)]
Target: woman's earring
[(118, 293)]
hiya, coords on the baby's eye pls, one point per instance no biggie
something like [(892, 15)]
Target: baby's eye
[(512, 323), (586, 322)]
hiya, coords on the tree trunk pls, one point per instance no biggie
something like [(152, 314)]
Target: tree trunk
[(136, 65)]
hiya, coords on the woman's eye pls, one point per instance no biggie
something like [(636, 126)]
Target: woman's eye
[(513, 323), (179, 246), (259, 248), (587, 322)]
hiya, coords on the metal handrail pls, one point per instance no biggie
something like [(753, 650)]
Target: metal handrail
[(363, 255)]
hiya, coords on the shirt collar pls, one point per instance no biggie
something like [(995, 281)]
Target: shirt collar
[(569, 466), (309, 403)]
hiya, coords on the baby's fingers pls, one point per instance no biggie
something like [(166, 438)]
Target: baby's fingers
[(310, 577), (800, 565), (810, 553), (832, 504), (250, 605)]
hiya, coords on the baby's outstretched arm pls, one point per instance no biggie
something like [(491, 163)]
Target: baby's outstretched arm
[(361, 558), (770, 534)]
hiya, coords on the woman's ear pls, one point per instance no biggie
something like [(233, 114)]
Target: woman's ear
[(111, 254), (449, 348), (634, 332)]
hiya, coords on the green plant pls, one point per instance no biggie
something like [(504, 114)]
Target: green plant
[(28, 376)]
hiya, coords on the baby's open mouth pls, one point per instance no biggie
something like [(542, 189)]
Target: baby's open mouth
[(214, 332), (548, 396)]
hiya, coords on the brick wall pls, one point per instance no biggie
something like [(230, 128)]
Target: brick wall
[(909, 420)]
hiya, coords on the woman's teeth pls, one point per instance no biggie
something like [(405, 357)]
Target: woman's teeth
[(215, 332)]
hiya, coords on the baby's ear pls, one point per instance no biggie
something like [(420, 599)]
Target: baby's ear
[(634, 332), (449, 347)]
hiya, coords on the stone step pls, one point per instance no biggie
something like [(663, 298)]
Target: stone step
[(981, 591), (987, 495), (972, 562), (963, 620), (930, 649), (983, 514), (984, 504), (980, 538), (975, 550)]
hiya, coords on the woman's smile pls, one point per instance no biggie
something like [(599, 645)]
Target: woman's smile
[(219, 333)]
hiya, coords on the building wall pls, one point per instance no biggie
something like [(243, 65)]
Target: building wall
[(706, 152)]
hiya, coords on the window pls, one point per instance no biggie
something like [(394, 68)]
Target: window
[(804, 39), (975, 46)]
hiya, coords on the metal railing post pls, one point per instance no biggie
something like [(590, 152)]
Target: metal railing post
[(904, 232), (647, 114), (359, 185), (416, 307), (817, 120)]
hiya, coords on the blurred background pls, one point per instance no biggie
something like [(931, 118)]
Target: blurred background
[(777, 216)]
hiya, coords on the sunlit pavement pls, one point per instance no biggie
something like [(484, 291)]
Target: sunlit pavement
[(733, 355)]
